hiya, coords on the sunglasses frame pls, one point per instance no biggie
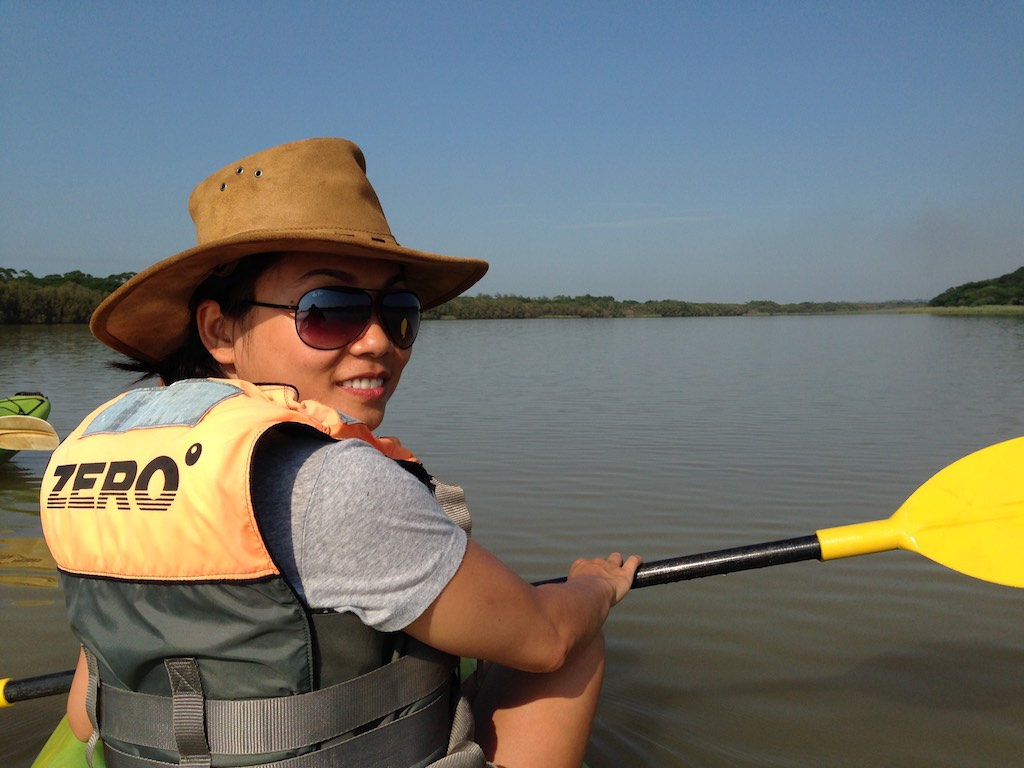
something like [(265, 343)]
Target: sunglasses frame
[(377, 308)]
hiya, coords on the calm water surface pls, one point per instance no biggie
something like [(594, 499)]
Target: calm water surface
[(669, 437)]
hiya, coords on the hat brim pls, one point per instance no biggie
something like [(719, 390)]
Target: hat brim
[(147, 318)]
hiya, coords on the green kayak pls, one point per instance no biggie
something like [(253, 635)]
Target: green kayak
[(23, 424), (63, 750)]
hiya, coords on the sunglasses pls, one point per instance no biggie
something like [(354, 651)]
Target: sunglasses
[(330, 318)]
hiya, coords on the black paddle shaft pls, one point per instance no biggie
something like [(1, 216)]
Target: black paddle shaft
[(37, 687), (723, 561), (728, 561)]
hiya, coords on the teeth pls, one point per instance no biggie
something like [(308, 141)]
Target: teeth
[(363, 383)]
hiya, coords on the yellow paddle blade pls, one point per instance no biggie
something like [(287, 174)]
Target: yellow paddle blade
[(968, 517), (27, 433)]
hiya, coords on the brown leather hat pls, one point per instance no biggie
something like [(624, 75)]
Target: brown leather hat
[(310, 195)]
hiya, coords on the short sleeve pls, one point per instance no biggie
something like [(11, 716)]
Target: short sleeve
[(353, 531)]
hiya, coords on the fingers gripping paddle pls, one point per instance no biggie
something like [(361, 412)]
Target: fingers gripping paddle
[(968, 517), (27, 433)]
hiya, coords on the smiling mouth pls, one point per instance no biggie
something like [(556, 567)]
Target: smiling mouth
[(362, 383)]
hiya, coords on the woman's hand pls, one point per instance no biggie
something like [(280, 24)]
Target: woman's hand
[(616, 572)]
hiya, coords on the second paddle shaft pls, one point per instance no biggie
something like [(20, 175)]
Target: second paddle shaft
[(12, 691)]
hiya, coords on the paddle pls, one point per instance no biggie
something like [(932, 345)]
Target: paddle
[(13, 691), (968, 517), (27, 433)]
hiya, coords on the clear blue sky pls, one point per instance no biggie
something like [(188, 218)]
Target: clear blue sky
[(715, 151)]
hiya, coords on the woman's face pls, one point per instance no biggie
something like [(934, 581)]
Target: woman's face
[(263, 347)]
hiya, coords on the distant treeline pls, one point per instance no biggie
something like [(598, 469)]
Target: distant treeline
[(72, 297), (1007, 289), (67, 298), (485, 306)]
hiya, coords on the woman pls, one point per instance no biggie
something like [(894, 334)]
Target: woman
[(240, 539)]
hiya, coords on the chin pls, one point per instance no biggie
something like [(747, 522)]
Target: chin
[(372, 421), (371, 417), (370, 412)]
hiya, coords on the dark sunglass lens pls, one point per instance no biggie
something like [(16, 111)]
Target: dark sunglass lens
[(400, 315), (330, 319)]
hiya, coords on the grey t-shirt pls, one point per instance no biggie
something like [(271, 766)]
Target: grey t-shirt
[(353, 531)]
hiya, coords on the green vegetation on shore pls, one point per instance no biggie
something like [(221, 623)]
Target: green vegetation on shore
[(72, 297), (1006, 289), (501, 307), (52, 299)]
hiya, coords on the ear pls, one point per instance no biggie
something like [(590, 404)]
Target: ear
[(217, 332)]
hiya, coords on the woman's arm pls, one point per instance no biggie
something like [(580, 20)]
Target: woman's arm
[(353, 531), (488, 612)]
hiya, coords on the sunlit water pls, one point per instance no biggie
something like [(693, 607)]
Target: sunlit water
[(670, 437)]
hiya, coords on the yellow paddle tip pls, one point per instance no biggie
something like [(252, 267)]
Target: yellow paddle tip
[(968, 517)]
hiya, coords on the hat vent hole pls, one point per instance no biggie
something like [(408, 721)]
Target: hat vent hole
[(223, 187), (239, 170), (258, 172)]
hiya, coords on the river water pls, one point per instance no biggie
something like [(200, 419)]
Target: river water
[(669, 437)]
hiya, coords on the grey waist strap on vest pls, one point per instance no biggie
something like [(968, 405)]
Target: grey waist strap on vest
[(187, 722), (374, 749)]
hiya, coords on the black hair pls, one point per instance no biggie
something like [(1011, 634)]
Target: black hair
[(192, 359)]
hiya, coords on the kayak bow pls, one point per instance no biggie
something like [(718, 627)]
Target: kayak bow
[(23, 425)]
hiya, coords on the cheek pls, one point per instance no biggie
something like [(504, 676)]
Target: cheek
[(265, 349), (401, 360), (246, 353)]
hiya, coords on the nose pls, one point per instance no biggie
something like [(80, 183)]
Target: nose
[(374, 340)]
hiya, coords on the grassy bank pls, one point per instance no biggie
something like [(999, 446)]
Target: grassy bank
[(987, 310)]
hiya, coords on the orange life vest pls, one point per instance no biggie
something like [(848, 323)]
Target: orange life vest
[(147, 509)]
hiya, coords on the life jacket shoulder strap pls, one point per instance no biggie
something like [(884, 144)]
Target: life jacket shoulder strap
[(452, 499)]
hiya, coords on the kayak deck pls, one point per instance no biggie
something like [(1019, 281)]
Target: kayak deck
[(25, 404), (64, 750), (23, 424)]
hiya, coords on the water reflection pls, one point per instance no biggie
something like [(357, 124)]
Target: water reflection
[(19, 484), (27, 562), (24, 558)]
